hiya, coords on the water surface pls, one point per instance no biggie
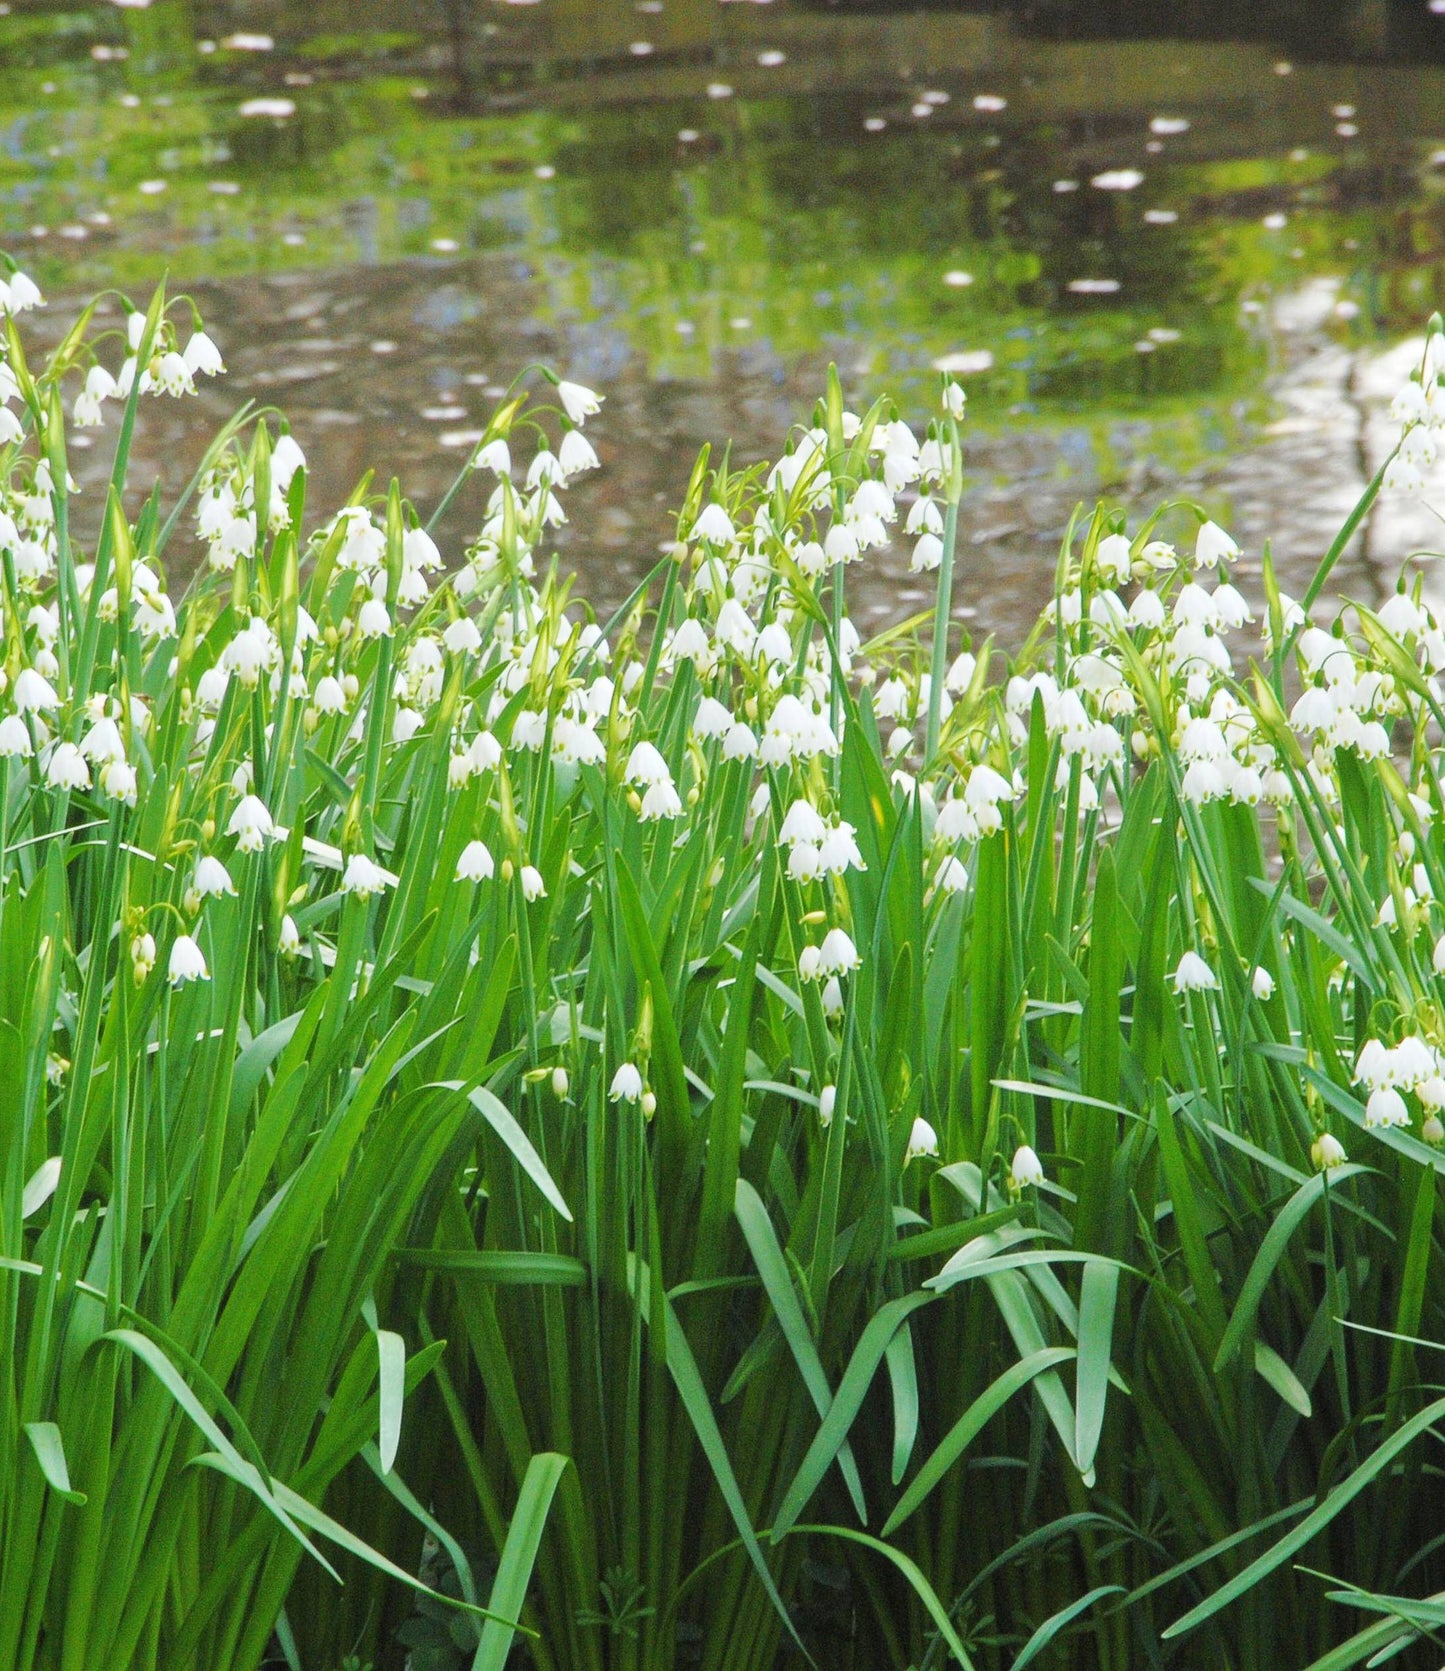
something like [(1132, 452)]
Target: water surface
[(1161, 265)]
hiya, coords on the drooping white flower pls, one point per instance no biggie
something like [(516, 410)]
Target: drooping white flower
[(645, 765), (118, 781), (711, 720), (1212, 544), (1246, 787), (211, 879), (462, 637), (1231, 607), (14, 739), (922, 1140), (289, 940), (927, 554), (841, 544), (405, 723), (34, 693), (66, 768), (103, 742), (660, 800), (804, 823), (363, 877), (1262, 984), (1386, 1108), (956, 821), (952, 878), (475, 863), (960, 674), (734, 629), (1027, 1169), (251, 824), (805, 862), (626, 1084), (1314, 710), (533, 887), (286, 459), (740, 743), (579, 402), (576, 453), (202, 357), (1403, 476), (372, 619), (837, 955), (173, 376), (329, 697), (827, 1101), (1193, 974), (1372, 1066), (1203, 782), (1327, 1152), (986, 788), (486, 752), (21, 293), (186, 962), (713, 527), (1431, 1092), (838, 851), (1147, 611)]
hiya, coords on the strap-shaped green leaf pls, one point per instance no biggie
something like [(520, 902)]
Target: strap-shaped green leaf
[(519, 1555), (762, 1242), (391, 1356), (877, 1337), (1271, 1250), (970, 1424), (1335, 1501), (1096, 1338), (45, 1439)]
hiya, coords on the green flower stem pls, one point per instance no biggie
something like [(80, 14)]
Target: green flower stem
[(942, 618)]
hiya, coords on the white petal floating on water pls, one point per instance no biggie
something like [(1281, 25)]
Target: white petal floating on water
[(967, 363)]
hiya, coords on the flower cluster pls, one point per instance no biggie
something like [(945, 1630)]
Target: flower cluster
[(315, 663)]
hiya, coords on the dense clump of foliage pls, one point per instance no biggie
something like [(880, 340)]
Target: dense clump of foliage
[(689, 1140)]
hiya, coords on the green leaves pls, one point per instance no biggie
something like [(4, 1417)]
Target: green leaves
[(970, 1424), (45, 1440), (1271, 1251), (1335, 1501), (519, 1555), (504, 1123), (650, 1328)]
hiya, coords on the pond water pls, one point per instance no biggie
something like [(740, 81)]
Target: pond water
[(1184, 254)]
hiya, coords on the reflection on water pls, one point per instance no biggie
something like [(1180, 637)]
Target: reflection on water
[(1161, 265)]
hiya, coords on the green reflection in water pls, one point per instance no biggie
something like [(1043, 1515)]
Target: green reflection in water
[(146, 139)]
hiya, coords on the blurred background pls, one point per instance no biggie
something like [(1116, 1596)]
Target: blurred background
[(1169, 246)]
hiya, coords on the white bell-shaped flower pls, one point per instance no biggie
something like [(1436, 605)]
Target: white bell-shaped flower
[(475, 863), (186, 962), (1193, 974)]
